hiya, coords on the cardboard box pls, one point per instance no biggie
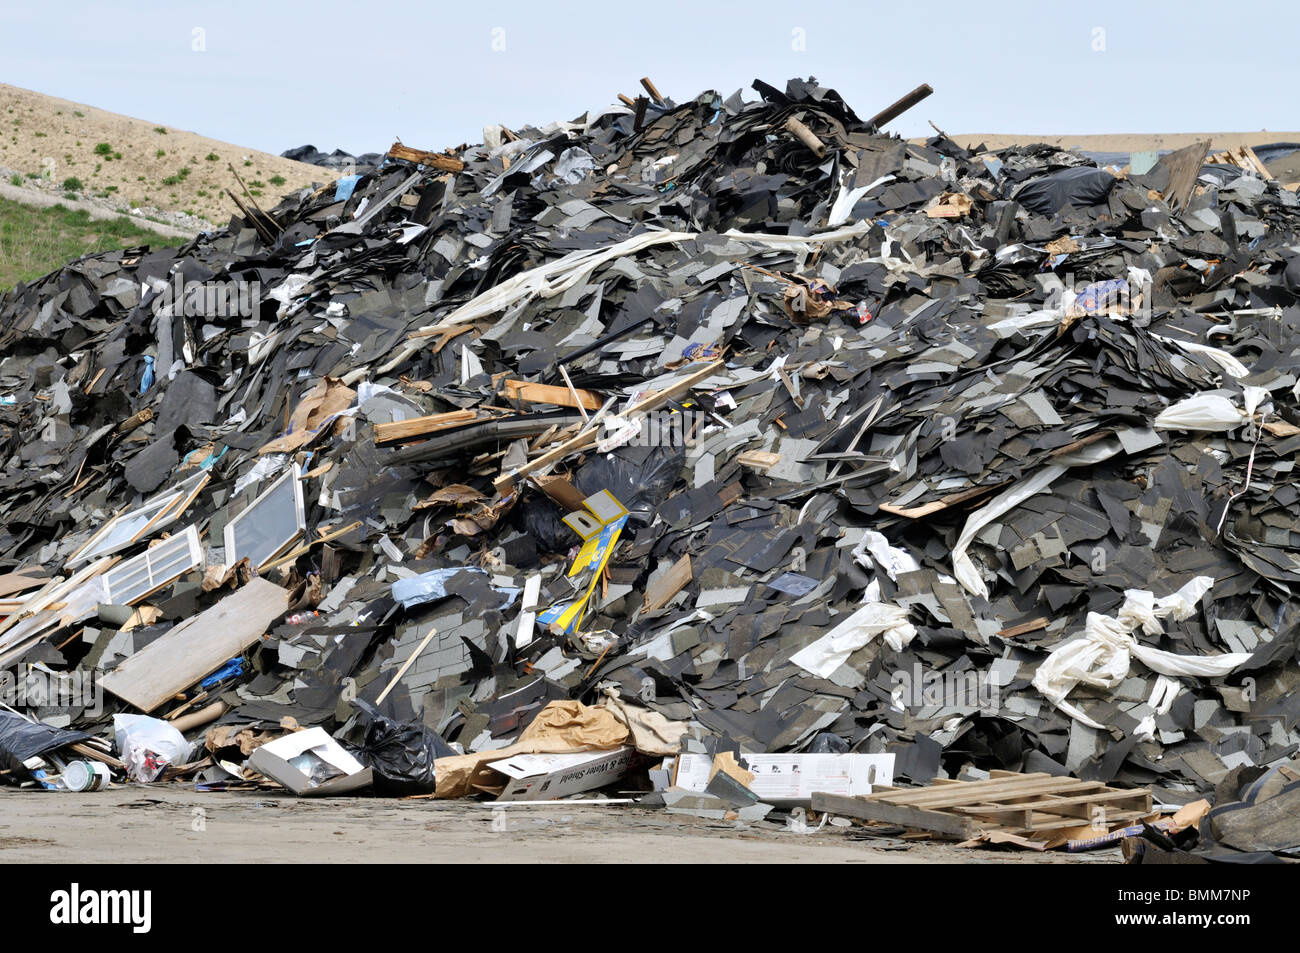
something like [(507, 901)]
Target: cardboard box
[(541, 777), (791, 779), (272, 760)]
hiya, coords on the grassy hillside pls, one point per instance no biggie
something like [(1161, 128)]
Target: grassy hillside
[(35, 241)]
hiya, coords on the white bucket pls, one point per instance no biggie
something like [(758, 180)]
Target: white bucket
[(86, 776)]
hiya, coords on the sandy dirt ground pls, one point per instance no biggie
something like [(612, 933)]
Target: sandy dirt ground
[(173, 823), (39, 132)]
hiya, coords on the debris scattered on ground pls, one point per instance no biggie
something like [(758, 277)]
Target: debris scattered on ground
[(712, 430)]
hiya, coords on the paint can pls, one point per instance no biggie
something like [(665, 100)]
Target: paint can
[(86, 776)]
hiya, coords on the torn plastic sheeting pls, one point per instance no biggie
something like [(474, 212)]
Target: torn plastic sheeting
[(962, 565), (847, 198), (432, 585), (1211, 411), (21, 740), (639, 478), (148, 746), (560, 275), (344, 187), (875, 549), (832, 650), (1225, 360), (1100, 658), (1079, 186)]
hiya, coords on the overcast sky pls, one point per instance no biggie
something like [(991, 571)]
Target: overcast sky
[(270, 75)]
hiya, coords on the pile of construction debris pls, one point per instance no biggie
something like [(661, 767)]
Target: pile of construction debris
[(696, 431)]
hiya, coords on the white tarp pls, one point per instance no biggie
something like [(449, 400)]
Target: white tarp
[(1101, 656), (833, 649), (1211, 411)]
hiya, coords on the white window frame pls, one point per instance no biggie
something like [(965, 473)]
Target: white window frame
[(294, 474)]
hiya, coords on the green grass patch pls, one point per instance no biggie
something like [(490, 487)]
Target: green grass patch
[(35, 241)]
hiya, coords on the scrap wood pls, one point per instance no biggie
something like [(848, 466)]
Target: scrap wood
[(13, 582), (405, 665), (662, 590), (435, 160), (1017, 803), (422, 426), (197, 647), (1243, 157), (586, 439), (549, 394)]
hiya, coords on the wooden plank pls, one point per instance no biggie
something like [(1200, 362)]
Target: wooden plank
[(916, 512), (410, 659), (422, 426), (758, 459), (436, 160), (669, 584), (976, 788), (1077, 806), (954, 825), (1184, 166), (1033, 625), (198, 646), (1049, 822), (550, 394), (587, 438), (649, 87), (952, 795), (12, 582)]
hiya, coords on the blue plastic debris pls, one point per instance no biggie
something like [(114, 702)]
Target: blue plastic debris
[(234, 667), (344, 187), (146, 378)]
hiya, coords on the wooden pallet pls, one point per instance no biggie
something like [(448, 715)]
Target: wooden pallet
[(1008, 801), (1244, 158)]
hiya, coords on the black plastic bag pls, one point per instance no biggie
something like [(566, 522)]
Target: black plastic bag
[(639, 477), (827, 743), (21, 739), (401, 753), (543, 520), (1079, 187)]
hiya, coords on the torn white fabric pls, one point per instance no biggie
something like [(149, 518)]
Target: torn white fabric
[(557, 277), (833, 649), (874, 550), (1211, 411), (847, 198), (1225, 360), (962, 565), (1101, 656)]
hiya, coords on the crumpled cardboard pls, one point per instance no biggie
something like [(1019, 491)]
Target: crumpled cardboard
[(559, 727)]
